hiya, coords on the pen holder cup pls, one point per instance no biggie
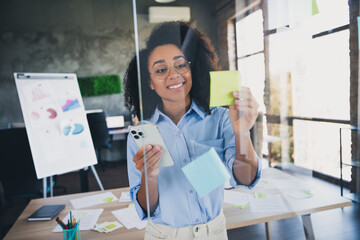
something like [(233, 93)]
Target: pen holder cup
[(72, 234)]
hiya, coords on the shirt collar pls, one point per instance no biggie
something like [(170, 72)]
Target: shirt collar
[(194, 107)]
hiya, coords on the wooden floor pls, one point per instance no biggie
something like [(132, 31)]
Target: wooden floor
[(338, 224)]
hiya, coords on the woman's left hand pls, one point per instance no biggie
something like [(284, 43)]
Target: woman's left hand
[(244, 111)]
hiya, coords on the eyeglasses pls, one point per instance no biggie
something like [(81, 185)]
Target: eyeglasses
[(162, 71)]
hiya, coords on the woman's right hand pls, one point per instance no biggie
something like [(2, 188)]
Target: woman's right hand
[(152, 156)]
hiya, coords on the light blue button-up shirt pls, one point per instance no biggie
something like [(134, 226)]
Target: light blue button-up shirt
[(197, 132)]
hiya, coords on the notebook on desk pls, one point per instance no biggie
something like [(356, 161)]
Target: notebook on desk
[(45, 213)]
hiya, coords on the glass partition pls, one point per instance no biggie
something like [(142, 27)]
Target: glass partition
[(193, 137), (225, 93)]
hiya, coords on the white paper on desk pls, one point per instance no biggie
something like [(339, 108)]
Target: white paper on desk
[(125, 197), (286, 184), (235, 198), (93, 200), (271, 203), (86, 217), (129, 218)]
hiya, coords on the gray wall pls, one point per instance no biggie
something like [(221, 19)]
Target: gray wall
[(86, 37)]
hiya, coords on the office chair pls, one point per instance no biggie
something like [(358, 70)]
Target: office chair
[(99, 133), (17, 171)]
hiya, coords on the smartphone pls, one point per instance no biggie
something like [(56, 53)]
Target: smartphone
[(149, 134)]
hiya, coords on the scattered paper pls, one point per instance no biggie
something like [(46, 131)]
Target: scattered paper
[(298, 193), (271, 203), (206, 172), (107, 226), (286, 184), (222, 84), (125, 197), (129, 218), (93, 200), (236, 198), (86, 218)]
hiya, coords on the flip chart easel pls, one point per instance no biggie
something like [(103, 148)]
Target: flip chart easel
[(56, 124)]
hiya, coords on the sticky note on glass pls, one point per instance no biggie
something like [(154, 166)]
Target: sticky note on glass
[(222, 84), (206, 173), (315, 8)]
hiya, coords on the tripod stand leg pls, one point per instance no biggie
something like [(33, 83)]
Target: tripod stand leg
[(44, 187), (97, 177)]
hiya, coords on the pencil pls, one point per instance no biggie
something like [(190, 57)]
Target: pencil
[(61, 223)]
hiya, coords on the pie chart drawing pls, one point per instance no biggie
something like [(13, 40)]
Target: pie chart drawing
[(52, 112), (70, 104), (35, 115), (78, 129), (66, 130), (75, 130)]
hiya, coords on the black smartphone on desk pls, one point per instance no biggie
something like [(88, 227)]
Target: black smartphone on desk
[(46, 213)]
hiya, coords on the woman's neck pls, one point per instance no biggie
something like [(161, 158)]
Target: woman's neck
[(176, 110)]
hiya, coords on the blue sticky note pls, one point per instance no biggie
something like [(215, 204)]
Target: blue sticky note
[(206, 172)]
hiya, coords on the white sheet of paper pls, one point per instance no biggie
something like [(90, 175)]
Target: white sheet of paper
[(288, 184), (129, 218), (235, 198), (86, 217), (271, 203), (125, 197), (93, 200)]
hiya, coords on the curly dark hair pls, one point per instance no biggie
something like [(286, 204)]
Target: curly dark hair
[(197, 49)]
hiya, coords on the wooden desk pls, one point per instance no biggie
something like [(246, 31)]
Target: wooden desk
[(235, 217)]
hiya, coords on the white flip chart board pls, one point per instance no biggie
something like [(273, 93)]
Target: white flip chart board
[(56, 123)]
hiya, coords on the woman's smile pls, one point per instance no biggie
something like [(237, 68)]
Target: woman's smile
[(176, 87)]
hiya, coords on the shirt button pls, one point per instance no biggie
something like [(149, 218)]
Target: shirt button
[(190, 191), (196, 229)]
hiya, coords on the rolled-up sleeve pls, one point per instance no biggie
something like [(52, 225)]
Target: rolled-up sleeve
[(229, 156), (134, 176)]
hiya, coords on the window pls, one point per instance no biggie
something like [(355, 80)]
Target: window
[(307, 56)]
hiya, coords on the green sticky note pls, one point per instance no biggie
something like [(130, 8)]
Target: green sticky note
[(260, 195), (110, 226), (222, 84), (109, 199), (241, 207), (315, 9), (307, 192)]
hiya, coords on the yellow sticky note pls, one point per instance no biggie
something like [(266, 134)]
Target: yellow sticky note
[(222, 84), (242, 207), (259, 195), (109, 199), (110, 226)]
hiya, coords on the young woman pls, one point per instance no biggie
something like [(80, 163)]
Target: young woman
[(175, 86)]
